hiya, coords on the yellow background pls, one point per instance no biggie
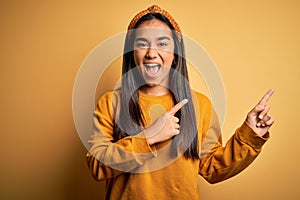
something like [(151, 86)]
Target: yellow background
[(255, 44)]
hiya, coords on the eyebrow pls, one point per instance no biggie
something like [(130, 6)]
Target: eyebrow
[(141, 39), (160, 38), (164, 38)]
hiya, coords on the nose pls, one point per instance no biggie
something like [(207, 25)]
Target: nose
[(151, 53)]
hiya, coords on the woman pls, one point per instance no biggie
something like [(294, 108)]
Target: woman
[(154, 135)]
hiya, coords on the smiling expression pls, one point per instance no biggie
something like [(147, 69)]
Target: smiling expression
[(154, 51)]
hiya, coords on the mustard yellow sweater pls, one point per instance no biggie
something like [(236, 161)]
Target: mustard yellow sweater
[(134, 170)]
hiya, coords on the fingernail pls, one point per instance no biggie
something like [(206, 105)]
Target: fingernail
[(258, 124), (260, 116), (184, 101)]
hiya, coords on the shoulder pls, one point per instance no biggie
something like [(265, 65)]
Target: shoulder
[(108, 101), (109, 97), (204, 110), (201, 99)]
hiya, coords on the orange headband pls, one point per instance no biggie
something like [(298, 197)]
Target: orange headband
[(153, 10)]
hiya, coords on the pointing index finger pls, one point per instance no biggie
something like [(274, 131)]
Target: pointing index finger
[(178, 106), (266, 97)]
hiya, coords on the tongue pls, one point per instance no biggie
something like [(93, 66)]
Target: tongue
[(152, 71)]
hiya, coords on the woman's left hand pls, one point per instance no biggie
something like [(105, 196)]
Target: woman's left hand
[(258, 118)]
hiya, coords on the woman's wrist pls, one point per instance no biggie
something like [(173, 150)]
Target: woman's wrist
[(149, 137)]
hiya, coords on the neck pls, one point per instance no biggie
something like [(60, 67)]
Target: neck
[(155, 90)]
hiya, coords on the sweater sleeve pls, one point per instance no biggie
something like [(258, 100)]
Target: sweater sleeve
[(218, 162), (106, 158)]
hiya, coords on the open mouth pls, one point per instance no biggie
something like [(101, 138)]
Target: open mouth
[(152, 69)]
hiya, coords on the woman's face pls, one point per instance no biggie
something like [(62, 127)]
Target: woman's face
[(154, 51)]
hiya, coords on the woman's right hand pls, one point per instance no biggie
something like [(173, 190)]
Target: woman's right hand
[(165, 127)]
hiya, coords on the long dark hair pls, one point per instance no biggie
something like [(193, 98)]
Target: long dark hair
[(130, 119)]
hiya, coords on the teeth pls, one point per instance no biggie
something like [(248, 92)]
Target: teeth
[(152, 69), (152, 65)]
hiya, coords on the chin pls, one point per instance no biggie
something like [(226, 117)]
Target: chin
[(152, 83), (160, 79)]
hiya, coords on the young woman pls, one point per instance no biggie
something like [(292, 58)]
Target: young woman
[(154, 135)]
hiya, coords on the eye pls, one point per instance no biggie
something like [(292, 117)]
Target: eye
[(162, 44), (141, 45)]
